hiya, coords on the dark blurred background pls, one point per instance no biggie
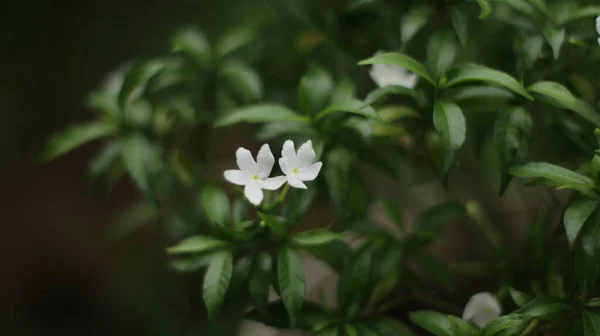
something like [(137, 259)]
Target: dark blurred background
[(57, 275)]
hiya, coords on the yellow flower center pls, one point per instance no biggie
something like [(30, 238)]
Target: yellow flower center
[(295, 170), (255, 177)]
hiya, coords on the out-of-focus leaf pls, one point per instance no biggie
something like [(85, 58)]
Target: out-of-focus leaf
[(298, 203), (503, 323), (479, 92), (234, 41), (382, 92), (137, 78), (315, 90), (315, 237), (582, 13), (285, 129), (334, 254), (591, 323), (477, 73), (390, 327), (512, 132), (450, 122), (142, 161), (559, 177), (260, 113), (291, 282), (215, 203), (132, 219), (576, 215), (243, 79), (393, 211), (462, 327), (543, 306), (310, 315), (532, 49), (197, 245), (216, 282), (519, 297), (106, 163), (354, 280), (432, 321), (413, 22), (72, 138), (404, 61), (555, 37), (194, 43), (485, 9), (460, 23), (350, 106), (556, 94), (433, 220), (272, 223), (442, 50), (259, 282), (437, 271)]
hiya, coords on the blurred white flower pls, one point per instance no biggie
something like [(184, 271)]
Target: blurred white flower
[(299, 167), (386, 75), (598, 27), (482, 308), (254, 175)]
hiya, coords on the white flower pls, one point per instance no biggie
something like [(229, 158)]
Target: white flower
[(299, 167), (386, 75), (254, 175), (482, 308), (598, 27)]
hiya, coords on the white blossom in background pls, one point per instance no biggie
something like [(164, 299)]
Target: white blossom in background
[(598, 27), (482, 308), (299, 166), (386, 75), (254, 175)]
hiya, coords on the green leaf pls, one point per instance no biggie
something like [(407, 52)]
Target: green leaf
[(477, 73), (216, 282), (354, 280), (434, 322), (543, 306), (393, 211), (259, 282), (315, 90), (389, 327), (272, 223), (243, 79), (532, 49), (285, 129), (555, 37), (582, 13), (350, 330), (512, 132), (350, 106), (276, 317), (385, 91), (556, 94), (460, 327), (197, 245), (142, 161), (235, 40), (591, 323), (137, 78), (519, 297), (334, 254), (437, 271), (433, 220), (290, 277), (539, 5), (298, 203), (193, 42), (383, 288), (413, 22), (404, 61), (106, 164), (451, 125), (556, 175), (479, 92), (575, 216), (261, 113), (442, 50), (460, 23), (315, 237), (215, 204), (72, 138), (503, 323), (485, 9)]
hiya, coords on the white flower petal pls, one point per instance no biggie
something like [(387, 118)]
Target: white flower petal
[(309, 173), (598, 25), (482, 308), (285, 166), (295, 182), (306, 154), (265, 161), (238, 177), (245, 161), (253, 193), (272, 183), (288, 152), (378, 74)]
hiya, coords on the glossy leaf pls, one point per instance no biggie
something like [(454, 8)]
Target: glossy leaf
[(197, 245), (73, 137), (450, 123), (442, 50), (290, 277), (350, 106), (477, 73), (261, 113), (316, 237), (215, 203), (512, 132), (558, 176), (501, 324), (216, 282), (556, 94), (404, 61), (575, 216)]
